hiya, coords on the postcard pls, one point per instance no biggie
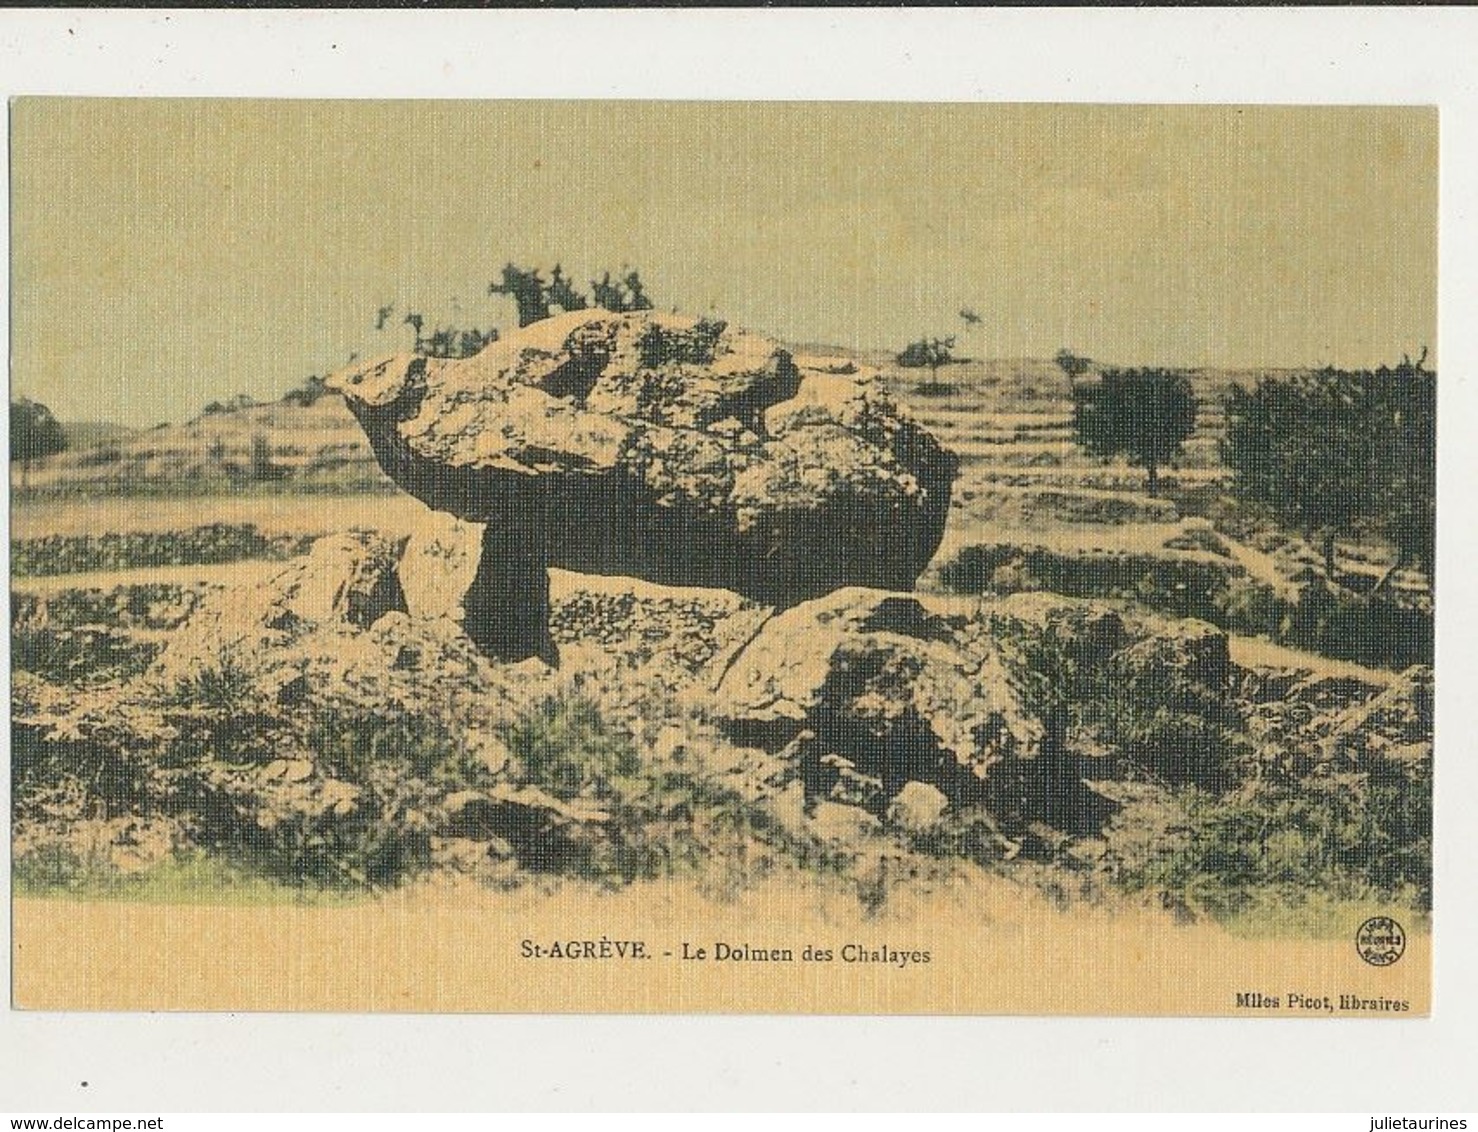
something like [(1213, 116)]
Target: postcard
[(722, 557)]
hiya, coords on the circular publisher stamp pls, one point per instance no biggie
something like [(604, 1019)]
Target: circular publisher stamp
[(1380, 941)]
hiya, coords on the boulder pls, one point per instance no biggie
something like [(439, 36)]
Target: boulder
[(344, 584), (350, 577), (1393, 727), (330, 626), (1089, 631), (439, 565), (888, 682), (918, 808), (1185, 658), (666, 448)]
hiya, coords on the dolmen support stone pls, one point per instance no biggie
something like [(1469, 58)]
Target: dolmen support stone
[(661, 447)]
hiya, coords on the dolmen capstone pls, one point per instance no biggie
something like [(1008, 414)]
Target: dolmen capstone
[(658, 446)]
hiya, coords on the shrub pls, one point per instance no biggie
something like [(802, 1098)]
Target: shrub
[(1145, 415), (307, 394), (1072, 365), (567, 748), (81, 655), (1334, 451), (1157, 726), (930, 352), (661, 346), (1352, 837)]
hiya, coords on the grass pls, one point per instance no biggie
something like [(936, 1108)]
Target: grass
[(1291, 857), (193, 878), (1313, 914), (567, 748)]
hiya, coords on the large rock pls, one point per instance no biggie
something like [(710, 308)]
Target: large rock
[(901, 688), (1392, 727), (330, 628), (660, 447)]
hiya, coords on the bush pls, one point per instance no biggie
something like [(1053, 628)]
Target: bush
[(1145, 415), (1168, 730), (101, 774), (81, 655), (1357, 837), (927, 352), (568, 749), (308, 394), (1371, 629), (661, 346)]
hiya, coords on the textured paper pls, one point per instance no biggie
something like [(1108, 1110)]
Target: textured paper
[(170, 254)]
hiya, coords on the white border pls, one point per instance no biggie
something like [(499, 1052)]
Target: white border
[(154, 1063)]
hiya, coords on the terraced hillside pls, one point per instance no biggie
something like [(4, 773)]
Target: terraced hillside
[(313, 448), (221, 494), (118, 545)]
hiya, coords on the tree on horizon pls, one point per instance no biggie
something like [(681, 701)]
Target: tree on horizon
[(35, 434), (1145, 415)]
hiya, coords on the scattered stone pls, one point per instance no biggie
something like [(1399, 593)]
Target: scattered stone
[(842, 825), (918, 807), (840, 781)]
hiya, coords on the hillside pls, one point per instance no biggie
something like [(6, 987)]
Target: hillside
[(87, 434), (311, 448), (1179, 663)]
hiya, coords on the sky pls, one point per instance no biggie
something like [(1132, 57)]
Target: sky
[(166, 253)]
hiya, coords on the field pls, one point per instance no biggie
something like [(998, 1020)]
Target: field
[(1300, 787)]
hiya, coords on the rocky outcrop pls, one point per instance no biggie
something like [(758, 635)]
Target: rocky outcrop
[(659, 447), (865, 684), (1392, 727), (330, 627), (1185, 657)]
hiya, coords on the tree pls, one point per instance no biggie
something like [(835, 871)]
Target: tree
[(561, 292), (623, 295), (1145, 415), (1072, 365), (1410, 521), (528, 291), (931, 352), (450, 342), (536, 299), (34, 435), (415, 322), (1333, 452)]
